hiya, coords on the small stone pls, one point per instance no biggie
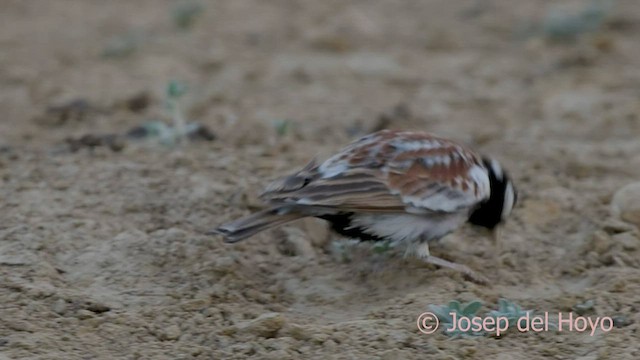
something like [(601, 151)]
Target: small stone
[(317, 231), (320, 337), (615, 226), (265, 325), (297, 332), (626, 204), (171, 333), (223, 264), (59, 307), (138, 103), (84, 314), (98, 308), (600, 242), (94, 322), (201, 132), (115, 143), (19, 325), (628, 240), (621, 321), (330, 345), (296, 243)]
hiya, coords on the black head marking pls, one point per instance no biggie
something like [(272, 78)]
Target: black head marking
[(494, 210)]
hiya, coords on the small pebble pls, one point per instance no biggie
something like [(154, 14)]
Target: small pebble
[(298, 332), (626, 204), (84, 314), (171, 333), (59, 307), (628, 240), (265, 325), (98, 308), (297, 243)]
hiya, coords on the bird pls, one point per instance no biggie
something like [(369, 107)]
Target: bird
[(409, 188)]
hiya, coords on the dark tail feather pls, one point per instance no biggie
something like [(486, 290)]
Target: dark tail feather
[(245, 227)]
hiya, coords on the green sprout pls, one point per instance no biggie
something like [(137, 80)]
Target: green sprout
[(282, 126), (185, 14), (381, 247), (562, 24), (509, 310), (123, 45), (342, 251), (584, 307), (468, 310), (180, 131), (175, 91), (164, 133)]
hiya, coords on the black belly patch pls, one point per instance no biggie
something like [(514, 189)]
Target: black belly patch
[(341, 223)]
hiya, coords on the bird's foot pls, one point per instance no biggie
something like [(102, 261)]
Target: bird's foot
[(465, 270)]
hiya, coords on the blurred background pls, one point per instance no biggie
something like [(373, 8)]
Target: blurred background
[(128, 128)]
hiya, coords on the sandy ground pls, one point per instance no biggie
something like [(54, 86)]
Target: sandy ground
[(102, 251)]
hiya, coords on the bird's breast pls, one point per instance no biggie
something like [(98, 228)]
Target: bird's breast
[(396, 227)]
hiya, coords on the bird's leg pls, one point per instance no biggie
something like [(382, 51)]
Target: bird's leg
[(497, 243), (421, 250), (499, 248)]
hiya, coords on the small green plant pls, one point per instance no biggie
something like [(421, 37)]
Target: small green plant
[(341, 250), (175, 91), (381, 247), (509, 310), (185, 14), (123, 45), (561, 24), (163, 133), (444, 314), (282, 126), (180, 131), (584, 307)]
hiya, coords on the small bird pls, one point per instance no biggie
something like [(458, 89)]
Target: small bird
[(405, 187)]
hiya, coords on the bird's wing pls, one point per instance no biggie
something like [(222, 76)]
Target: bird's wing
[(389, 171)]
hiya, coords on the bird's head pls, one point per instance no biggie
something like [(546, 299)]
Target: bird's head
[(500, 203)]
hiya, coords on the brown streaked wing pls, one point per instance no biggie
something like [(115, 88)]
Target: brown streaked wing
[(446, 178), (389, 171), (356, 190)]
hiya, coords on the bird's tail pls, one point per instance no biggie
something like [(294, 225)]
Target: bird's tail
[(248, 226)]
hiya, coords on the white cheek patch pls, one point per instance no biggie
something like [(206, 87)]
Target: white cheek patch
[(509, 199), (497, 169)]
